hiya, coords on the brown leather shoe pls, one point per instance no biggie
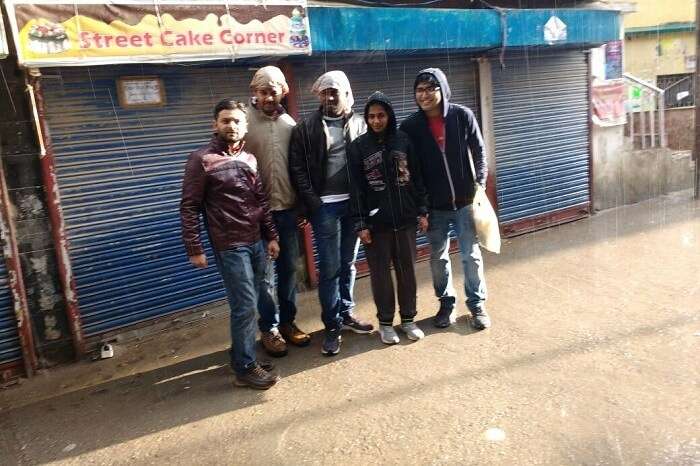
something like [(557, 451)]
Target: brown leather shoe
[(293, 335), (273, 343)]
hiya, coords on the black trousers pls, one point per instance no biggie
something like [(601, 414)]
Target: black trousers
[(398, 248)]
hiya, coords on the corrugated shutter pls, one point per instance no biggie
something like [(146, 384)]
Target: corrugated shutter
[(393, 75), (10, 349), (541, 129), (120, 174)]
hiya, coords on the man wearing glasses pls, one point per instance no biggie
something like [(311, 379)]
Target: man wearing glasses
[(443, 134)]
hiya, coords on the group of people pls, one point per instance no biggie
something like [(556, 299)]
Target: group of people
[(353, 178)]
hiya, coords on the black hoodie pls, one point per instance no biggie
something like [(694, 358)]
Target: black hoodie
[(387, 191), (448, 176)]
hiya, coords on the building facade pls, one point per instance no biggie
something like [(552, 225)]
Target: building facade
[(110, 172)]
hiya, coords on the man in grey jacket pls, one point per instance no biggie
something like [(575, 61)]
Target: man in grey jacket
[(269, 131)]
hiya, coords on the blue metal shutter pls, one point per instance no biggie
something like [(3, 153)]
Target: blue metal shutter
[(394, 76), (540, 113), (10, 349), (119, 175)]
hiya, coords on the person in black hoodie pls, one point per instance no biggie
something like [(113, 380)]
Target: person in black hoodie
[(387, 200), (444, 134)]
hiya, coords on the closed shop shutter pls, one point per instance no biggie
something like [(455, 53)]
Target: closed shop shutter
[(119, 176), (394, 77), (542, 137), (10, 349)]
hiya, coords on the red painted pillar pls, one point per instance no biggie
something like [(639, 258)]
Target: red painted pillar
[(305, 230), (53, 202), (16, 279)]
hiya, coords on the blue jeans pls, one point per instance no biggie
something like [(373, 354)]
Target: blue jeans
[(472, 263), (283, 310), (242, 270), (337, 245)]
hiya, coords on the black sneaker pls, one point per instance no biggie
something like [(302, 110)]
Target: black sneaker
[(267, 365), (480, 319), (350, 322), (256, 377), (444, 317), (331, 343)]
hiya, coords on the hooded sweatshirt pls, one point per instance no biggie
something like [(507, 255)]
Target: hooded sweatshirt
[(312, 143), (447, 174), (387, 191)]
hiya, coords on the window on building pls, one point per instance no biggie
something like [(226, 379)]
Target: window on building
[(680, 89)]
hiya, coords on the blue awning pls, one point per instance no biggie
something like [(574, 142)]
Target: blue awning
[(339, 29)]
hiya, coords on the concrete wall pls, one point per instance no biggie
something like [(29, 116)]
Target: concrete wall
[(20, 156), (653, 12), (650, 56), (607, 145), (623, 175)]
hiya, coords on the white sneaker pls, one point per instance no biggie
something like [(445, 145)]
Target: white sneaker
[(388, 335), (412, 331)]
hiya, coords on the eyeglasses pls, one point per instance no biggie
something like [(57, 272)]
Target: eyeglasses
[(427, 89)]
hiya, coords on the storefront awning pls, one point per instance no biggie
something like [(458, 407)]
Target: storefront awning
[(409, 29), (90, 32)]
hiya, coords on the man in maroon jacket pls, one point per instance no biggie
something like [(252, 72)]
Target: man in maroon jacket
[(221, 181)]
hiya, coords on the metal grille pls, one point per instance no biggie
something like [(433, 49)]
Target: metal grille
[(10, 349), (680, 89), (119, 174), (541, 131), (394, 77)]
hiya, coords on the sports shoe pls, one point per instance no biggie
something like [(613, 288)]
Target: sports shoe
[(388, 335), (293, 335), (331, 343), (256, 377), (273, 343), (444, 317), (267, 365), (412, 331), (480, 319), (350, 322)]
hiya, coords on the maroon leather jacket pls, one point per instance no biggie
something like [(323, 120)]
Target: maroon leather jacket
[(227, 189)]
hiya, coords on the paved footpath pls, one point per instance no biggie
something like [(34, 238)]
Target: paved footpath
[(593, 360)]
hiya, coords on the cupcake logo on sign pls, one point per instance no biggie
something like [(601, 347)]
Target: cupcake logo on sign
[(49, 38), (298, 36)]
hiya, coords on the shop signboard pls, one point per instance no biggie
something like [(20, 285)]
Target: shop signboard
[(89, 32)]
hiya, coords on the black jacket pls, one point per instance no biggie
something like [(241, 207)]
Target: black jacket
[(448, 176), (387, 190), (308, 156)]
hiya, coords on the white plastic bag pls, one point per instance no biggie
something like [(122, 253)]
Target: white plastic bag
[(485, 221)]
